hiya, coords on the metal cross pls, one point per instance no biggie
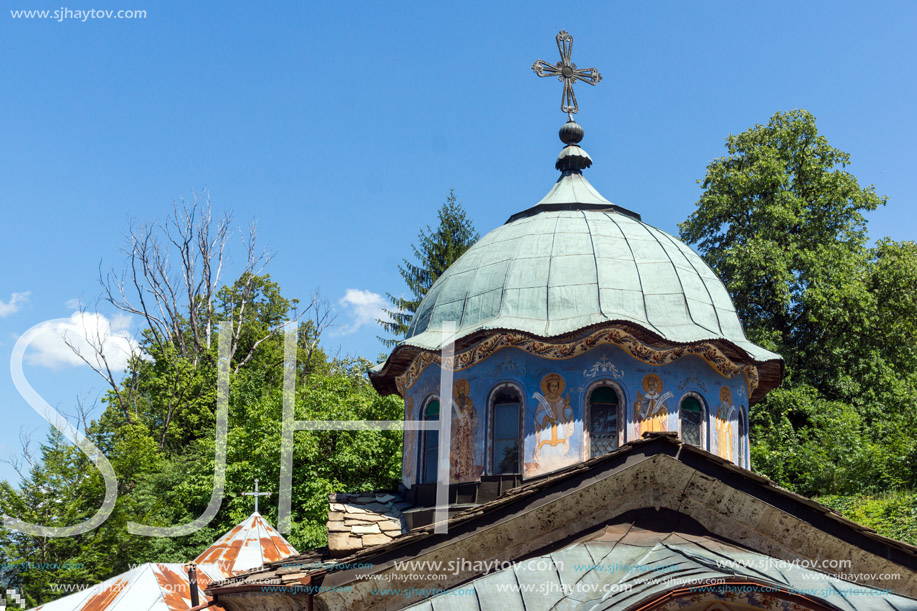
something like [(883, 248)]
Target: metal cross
[(566, 71), (256, 494)]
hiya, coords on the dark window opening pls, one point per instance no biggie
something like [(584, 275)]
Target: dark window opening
[(507, 420), (429, 454), (743, 439), (603, 421), (691, 413)]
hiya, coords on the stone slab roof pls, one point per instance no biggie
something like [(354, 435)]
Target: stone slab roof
[(362, 520)]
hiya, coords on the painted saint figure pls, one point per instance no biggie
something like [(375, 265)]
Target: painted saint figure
[(553, 417), (463, 427), (725, 414), (650, 408)]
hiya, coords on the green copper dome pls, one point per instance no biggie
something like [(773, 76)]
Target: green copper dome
[(573, 262), (558, 271)]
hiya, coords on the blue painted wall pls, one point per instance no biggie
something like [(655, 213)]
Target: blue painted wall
[(545, 450)]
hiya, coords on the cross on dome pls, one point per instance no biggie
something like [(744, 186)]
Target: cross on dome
[(567, 72)]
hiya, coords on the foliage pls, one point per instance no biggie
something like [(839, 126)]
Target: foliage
[(435, 251), (164, 458), (892, 514), (782, 223)]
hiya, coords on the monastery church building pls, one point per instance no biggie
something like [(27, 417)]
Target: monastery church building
[(598, 452)]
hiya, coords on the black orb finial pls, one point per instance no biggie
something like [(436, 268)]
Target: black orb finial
[(571, 132)]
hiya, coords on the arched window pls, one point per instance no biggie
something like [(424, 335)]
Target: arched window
[(506, 430), (743, 438), (429, 448), (603, 421), (691, 417)]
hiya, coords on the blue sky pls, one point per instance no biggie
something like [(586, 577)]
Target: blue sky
[(340, 128)]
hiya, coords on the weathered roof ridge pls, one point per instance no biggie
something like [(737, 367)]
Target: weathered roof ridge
[(550, 488)]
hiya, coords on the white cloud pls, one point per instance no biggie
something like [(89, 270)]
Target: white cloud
[(73, 304), (363, 307), (84, 331), (17, 300)]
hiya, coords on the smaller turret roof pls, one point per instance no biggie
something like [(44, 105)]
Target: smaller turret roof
[(166, 587), (252, 543)]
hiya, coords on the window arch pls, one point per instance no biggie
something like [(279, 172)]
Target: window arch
[(603, 406), (429, 444), (692, 420), (505, 430)]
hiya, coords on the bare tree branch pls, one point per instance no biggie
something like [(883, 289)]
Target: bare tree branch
[(98, 361), (24, 462), (172, 281)]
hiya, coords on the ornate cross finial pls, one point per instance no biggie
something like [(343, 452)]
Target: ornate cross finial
[(256, 494), (566, 71)]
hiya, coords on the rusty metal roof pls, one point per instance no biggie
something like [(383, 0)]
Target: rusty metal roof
[(165, 587), (250, 544), (153, 587)]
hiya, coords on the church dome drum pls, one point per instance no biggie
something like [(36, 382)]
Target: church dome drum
[(577, 328)]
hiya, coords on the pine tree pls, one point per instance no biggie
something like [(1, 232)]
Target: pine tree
[(435, 251)]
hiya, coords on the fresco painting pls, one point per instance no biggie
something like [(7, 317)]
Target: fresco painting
[(464, 426), (554, 424), (725, 431), (554, 394), (409, 452), (650, 407)]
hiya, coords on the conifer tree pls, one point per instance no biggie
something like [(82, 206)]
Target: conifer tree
[(434, 252)]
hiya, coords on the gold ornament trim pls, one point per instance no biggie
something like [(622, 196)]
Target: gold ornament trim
[(559, 351)]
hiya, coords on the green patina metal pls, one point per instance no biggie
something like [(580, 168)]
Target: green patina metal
[(607, 576), (554, 271)]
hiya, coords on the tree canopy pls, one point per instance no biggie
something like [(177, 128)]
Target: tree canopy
[(157, 427), (435, 250), (782, 222)]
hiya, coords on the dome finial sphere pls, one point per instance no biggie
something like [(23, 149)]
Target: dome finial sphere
[(571, 132)]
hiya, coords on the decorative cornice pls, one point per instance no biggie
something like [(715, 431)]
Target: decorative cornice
[(618, 336)]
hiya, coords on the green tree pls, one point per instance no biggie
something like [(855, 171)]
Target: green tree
[(157, 426), (782, 222), (172, 485), (435, 251), (62, 488)]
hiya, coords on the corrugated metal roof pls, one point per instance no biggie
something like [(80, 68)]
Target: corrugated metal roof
[(251, 544), (619, 570), (165, 587), (560, 271), (153, 587)]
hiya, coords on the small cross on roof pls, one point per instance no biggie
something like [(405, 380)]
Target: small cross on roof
[(256, 494)]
